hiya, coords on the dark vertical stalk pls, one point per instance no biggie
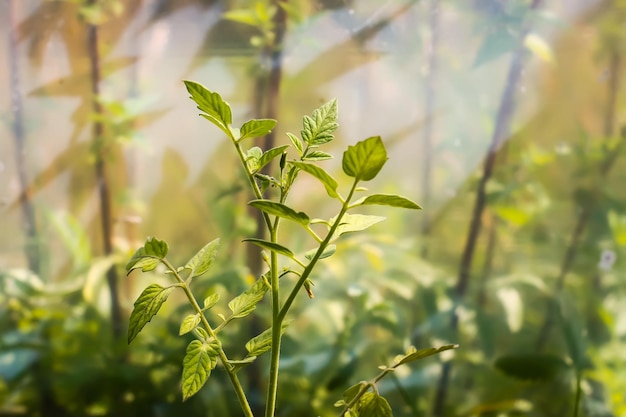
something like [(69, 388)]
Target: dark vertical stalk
[(585, 213), (29, 224), (103, 185), (429, 107), (500, 133)]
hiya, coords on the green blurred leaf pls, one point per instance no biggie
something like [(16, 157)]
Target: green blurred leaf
[(373, 405), (318, 128), (210, 301), (327, 181), (350, 393), (535, 366), (271, 246), (414, 354), (268, 156), (364, 160), (317, 156), (328, 252), (245, 303), (387, 200), (201, 261), (217, 110), (256, 127), (188, 324), (262, 343), (146, 306), (280, 210), (297, 143), (199, 360), (354, 223)]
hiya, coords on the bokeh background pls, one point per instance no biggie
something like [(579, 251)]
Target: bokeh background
[(504, 119)]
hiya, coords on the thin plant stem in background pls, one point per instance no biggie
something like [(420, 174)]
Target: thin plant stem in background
[(552, 309), (29, 221), (430, 101), (103, 186), (500, 133)]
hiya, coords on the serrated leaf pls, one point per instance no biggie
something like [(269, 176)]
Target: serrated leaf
[(146, 306), (201, 261), (355, 223), (268, 156), (373, 405), (188, 324), (262, 343), (271, 246), (535, 366), (148, 256), (387, 200), (210, 301), (217, 110), (198, 363), (364, 160), (297, 143), (318, 156), (414, 354), (319, 127), (328, 252), (256, 127), (280, 210), (324, 177), (245, 303)]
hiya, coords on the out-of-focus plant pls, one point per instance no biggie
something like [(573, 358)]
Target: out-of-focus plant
[(361, 162)]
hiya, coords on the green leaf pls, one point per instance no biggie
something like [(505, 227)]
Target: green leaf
[(328, 252), (318, 128), (350, 393), (297, 143), (324, 177), (387, 200), (268, 156), (148, 256), (245, 303), (217, 110), (280, 210), (210, 301), (364, 160), (188, 324), (201, 261), (271, 246), (238, 364), (373, 405), (260, 344), (318, 156), (253, 156), (414, 354), (199, 360), (256, 127), (146, 306), (354, 223), (534, 366)]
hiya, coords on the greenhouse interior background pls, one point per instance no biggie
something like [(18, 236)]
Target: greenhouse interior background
[(505, 120)]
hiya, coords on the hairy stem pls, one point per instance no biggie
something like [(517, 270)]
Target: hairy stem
[(241, 395)]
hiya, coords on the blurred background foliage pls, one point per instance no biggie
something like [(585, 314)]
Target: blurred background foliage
[(503, 118)]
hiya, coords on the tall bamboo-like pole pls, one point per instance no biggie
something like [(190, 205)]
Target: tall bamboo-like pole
[(104, 191), (500, 133)]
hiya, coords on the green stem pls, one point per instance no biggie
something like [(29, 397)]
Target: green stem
[(276, 330), (578, 392), (367, 386), (241, 395)]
